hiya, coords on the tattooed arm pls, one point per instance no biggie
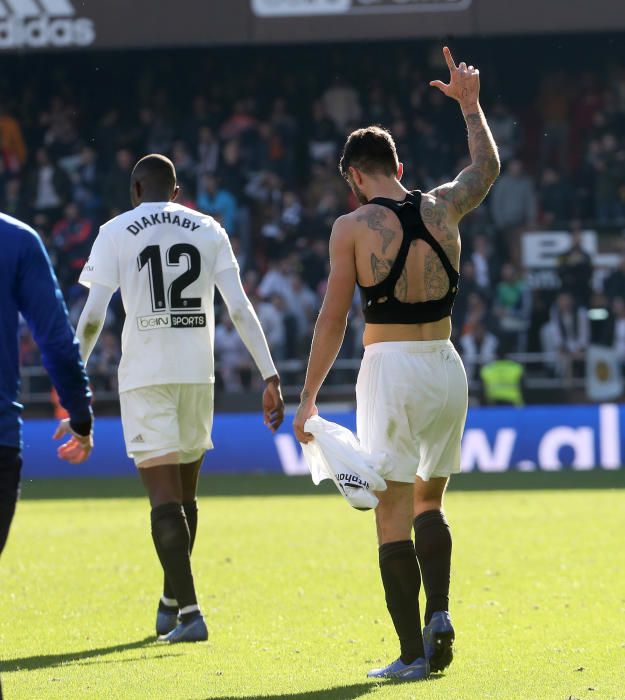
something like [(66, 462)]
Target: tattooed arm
[(468, 190), (332, 321)]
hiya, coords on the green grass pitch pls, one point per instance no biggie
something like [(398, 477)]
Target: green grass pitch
[(289, 583)]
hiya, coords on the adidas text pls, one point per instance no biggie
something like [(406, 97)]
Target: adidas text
[(46, 23)]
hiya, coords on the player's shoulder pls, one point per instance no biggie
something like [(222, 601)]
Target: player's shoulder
[(18, 233), (207, 224)]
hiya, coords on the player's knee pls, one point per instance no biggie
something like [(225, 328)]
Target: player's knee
[(422, 505)]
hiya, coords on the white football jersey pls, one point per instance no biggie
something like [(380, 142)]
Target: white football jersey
[(164, 257)]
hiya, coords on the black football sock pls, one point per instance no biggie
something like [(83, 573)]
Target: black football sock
[(401, 579), (170, 533), (433, 548), (190, 511)]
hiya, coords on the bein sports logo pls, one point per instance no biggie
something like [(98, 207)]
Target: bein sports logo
[(307, 8), (43, 24)]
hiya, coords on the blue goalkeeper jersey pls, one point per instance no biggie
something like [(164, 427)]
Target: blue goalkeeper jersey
[(28, 286)]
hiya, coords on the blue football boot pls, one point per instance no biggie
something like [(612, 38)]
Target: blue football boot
[(166, 621), (194, 630), (438, 640), (418, 670)]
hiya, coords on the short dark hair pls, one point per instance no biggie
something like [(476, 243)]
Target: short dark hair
[(155, 171), (371, 150)]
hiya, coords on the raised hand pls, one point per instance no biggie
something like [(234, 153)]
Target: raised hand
[(464, 82)]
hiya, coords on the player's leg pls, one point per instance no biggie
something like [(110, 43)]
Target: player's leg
[(381, 423), (172, 541), (189, 474), (401, 580), (433, 546), (10, 471), (432, 543), (439, 459)]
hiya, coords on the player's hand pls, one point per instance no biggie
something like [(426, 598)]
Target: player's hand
[(305, 410), (77, 449), (464, 82), (273, 404)]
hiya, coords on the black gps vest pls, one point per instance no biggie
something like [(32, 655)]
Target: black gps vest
[(379, 303)]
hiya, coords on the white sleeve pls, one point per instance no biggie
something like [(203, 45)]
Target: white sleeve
[(245, 320), (102, 266), (226, 259), (92, 318)]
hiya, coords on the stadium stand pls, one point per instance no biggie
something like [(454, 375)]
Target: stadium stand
[(264, 163)]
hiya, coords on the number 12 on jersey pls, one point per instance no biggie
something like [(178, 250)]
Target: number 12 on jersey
[(151, 256)]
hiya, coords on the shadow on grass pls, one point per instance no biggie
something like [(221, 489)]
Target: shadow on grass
[(31, 663), (342, 692), (280, 485)]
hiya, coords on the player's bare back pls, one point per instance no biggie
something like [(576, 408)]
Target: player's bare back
[(377, 238)]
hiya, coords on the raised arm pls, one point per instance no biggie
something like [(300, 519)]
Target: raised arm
[(471, 186)]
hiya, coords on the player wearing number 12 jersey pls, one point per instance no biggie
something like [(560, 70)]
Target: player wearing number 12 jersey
[(167, 260)]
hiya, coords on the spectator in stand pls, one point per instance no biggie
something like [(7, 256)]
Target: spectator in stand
[(479, 347), (575, 269), (513, 208), (49, 187), (614, 283), (342, 104), (116, 193), (186, 168), (511, 308), (555, 106), (567, 335), (276, 280), (12, 146), (72, 237), (618, 312), (469, 286), (323, 143), (13, 202), (481, 258), (556, 199), (272, 316), (303, 304), (505, 129), (476, 313), (208, 151), (607, 159), (104, 361), (216, 201), (87, 182), (314, 261), (233, 360), (513, 199)]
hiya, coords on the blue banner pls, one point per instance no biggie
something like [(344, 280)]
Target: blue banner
[(549, 438)]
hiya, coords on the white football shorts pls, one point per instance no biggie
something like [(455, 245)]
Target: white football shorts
[(167, 418), (412, 402)]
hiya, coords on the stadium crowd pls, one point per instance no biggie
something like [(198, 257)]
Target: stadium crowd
[(264, 163)]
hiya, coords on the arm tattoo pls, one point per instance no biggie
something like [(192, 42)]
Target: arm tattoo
[(374, 218), (472, 185)]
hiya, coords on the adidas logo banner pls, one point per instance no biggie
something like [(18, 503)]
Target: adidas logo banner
[(43, 24), (336, 454)]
